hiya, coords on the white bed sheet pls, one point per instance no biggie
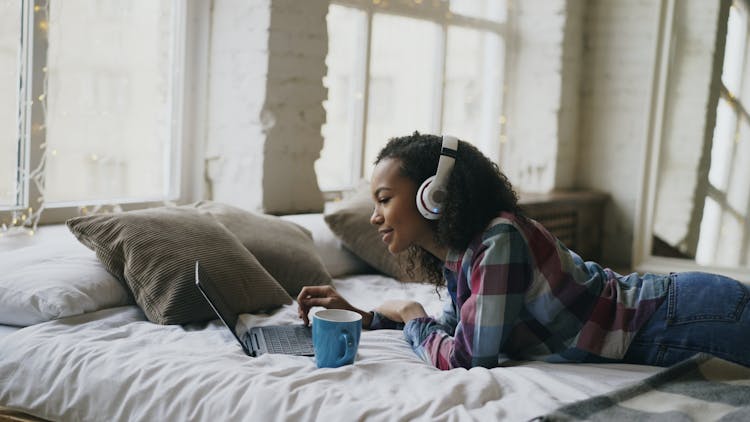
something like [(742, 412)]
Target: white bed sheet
[(6, 330), (115, 365)]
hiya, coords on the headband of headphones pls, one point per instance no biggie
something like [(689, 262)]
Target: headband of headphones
[(431, 195)]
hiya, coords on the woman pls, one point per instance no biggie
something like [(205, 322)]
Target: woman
[(517, 293)]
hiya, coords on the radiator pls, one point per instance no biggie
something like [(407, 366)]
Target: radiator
[(574, 217)]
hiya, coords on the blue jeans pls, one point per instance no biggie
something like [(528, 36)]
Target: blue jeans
[(702, 312)]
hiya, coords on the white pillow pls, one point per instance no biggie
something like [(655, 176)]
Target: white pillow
[(338, 260), (51, 277)]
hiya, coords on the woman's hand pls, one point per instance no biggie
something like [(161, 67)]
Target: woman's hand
[(401, 310), (327, 297)]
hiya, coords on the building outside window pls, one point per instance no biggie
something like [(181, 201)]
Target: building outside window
[(90, 104)]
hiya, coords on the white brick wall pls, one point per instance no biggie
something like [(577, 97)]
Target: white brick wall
[(267, 61), (567, 160), (619, 44), (535, 95), (298, 45), (542, 150), (238, 63)]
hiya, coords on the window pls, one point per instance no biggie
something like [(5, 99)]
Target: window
[(725, 228), (93, 103), (396, 67)]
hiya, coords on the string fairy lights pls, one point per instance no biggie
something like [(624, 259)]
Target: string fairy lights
[(24, 219), (29, 195)]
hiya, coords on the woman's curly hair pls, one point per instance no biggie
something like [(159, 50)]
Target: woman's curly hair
[(477, 192)]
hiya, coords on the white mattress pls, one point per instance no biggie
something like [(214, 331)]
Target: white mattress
[(115, 365)]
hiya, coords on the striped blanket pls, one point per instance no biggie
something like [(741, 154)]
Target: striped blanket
[(702, 388)]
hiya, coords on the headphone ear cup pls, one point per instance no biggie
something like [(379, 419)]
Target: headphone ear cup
[(426, 207), (432, 193)]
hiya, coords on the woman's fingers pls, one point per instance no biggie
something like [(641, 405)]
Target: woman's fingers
[(303, 304), (317, 301), (325, 296), (315, 291)]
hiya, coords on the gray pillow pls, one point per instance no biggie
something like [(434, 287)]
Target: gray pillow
[(153, 252), (350, 221), (285, 249)]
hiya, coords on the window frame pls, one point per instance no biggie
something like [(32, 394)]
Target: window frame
[(643, 258), (720, 194), (189, 85), (437, 12)]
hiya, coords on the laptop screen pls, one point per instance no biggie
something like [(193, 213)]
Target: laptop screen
[(217, 301)]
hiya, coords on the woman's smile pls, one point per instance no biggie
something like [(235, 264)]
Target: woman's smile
[(386, 234)]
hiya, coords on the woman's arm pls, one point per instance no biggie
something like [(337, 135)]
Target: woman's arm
[(499, 275), (401, 310)]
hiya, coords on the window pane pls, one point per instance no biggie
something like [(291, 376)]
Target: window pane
[(10, 35), (473, 88), (494, 10), (731, 74), (729, 247), (738, 191), (709, 233), (721, 150), (109, 115), (404, 75), (345, 82)]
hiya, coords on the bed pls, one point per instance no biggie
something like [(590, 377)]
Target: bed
[(75, 344)]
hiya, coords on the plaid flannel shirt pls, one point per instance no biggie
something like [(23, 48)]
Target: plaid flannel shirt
[(517, 293)]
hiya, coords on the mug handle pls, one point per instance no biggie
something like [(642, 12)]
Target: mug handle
[(349, 348)]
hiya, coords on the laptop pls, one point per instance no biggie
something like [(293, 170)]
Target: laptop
[(283, 339)]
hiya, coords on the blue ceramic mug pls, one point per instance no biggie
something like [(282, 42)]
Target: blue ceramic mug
[(335, 335)]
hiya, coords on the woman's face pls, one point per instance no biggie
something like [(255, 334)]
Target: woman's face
[(399, 222)]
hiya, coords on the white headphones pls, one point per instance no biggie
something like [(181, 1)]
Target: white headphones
[(431, 195)]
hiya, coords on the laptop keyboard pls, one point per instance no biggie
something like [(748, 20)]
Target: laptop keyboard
[(292, 340)]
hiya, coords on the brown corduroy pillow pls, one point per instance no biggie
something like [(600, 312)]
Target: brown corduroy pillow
[(285, 249), (350, 221), (153, 252)]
